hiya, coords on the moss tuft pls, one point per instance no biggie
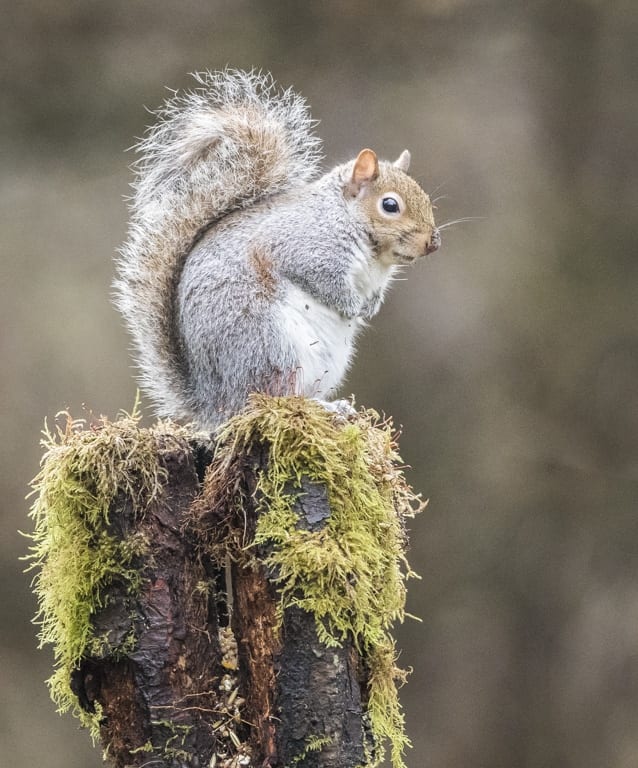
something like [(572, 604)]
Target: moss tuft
[(313, 744), (351, 574), (76, 555)]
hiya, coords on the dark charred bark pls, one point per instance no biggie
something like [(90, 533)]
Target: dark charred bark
[(319, 697)]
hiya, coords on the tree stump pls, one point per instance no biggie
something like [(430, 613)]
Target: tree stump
[(202, 645)]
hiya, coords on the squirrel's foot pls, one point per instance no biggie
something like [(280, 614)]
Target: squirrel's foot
[(343, 408)]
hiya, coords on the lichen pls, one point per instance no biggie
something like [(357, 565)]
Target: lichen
[(74, 552), (350, 574)]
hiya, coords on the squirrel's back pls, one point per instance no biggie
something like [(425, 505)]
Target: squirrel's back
[(233, 140)]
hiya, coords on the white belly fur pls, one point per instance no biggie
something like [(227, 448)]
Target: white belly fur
[(322, 341)]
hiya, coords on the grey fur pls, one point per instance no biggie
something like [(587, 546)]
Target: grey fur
[(220, 147), (242, 270)]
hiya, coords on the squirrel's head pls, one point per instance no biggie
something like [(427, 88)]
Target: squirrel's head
[(397, 212)]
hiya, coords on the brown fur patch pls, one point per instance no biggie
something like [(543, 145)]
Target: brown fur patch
[(405, 238), (264, 269)]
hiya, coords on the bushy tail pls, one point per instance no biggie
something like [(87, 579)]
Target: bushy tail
[(234, 139)]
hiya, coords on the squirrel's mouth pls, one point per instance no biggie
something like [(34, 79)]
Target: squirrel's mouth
[(410, 255)]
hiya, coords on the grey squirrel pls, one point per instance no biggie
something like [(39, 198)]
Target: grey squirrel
[(244, 269)]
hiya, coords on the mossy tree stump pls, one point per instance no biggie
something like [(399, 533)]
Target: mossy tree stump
[(142, 533)]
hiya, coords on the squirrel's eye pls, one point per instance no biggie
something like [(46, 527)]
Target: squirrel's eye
[(390, 205)]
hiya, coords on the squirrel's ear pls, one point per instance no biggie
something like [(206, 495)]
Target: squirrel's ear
[(366, 169), (403, 161)]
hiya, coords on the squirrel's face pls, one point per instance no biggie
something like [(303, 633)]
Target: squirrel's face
[(397, 212)]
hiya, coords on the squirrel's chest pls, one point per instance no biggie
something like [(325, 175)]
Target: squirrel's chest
[(321, 341)]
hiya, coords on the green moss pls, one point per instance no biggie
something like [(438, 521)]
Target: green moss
[(175, 739), (313, 744), (75, 553), (351, 574), (146, 747)]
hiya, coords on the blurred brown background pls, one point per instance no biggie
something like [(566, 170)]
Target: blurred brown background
[(511, 358)]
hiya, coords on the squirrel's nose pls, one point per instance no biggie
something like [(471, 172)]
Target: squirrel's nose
[(435, 241)]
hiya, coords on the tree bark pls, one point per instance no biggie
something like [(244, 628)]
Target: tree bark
[(158, 699), (300, 691), (166, 701)]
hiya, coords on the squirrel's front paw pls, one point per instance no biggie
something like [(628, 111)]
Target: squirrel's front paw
[(371, 306), (343, 408)]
